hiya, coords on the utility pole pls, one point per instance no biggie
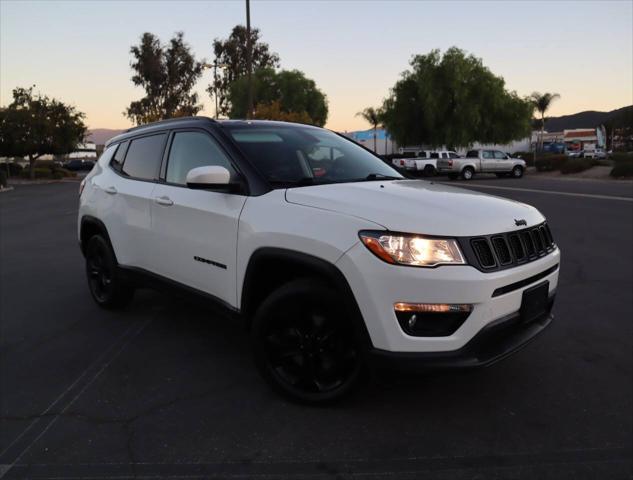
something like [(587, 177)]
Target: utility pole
[(249, 60)]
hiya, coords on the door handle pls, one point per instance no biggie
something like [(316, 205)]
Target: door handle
[(110, 190), (164, 200)]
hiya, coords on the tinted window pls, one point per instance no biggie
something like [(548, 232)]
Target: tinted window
[(435, 155), (285, 155), (500, 155), (117, 161), (453, 155), (191, 150), (472, 154), (144, 156)]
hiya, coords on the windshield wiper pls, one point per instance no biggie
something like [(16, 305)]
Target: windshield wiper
[(380, 176)]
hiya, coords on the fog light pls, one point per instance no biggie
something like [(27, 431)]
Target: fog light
[(431, 319), (432, 307)]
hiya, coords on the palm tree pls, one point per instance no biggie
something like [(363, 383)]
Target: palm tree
[(373, 117), (542, 103)]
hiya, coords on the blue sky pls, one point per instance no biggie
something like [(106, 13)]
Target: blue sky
[(354, 50)]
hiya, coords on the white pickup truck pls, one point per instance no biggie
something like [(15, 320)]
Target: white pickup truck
[(482, 161), (425, 163)]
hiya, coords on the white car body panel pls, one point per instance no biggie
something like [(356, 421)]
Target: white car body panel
[(417, 206)]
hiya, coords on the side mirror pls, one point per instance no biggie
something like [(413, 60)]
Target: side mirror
[(211, 178)]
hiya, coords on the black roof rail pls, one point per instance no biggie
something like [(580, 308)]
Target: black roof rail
[(168, 120)]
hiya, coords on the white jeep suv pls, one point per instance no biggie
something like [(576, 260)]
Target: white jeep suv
[(313, 240)]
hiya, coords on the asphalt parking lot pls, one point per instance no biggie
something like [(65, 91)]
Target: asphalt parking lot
[(167, 389)]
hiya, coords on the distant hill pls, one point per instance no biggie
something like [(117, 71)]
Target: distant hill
[(587, 119), (101, 135)]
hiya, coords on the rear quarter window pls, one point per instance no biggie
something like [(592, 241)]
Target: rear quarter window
[(144, 156), (472, 154)]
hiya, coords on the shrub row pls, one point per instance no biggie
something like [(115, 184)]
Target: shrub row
[(52, 172), (623, 165), (575, 165), (550, 163)]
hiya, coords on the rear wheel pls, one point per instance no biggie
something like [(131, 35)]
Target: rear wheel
[(517, 172), (429, 171), (104, 279), (468, 173), (304, 344)]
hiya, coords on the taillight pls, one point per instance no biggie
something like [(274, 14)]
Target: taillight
[(450, 163), (82, 184)]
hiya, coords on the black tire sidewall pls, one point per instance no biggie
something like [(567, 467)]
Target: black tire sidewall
[(120, 293), (517, 168)]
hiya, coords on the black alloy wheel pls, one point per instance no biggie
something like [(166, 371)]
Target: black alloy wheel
[(104, 280), (304, 345)]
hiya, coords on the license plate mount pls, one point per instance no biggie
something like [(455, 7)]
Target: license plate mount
[(534, 303)]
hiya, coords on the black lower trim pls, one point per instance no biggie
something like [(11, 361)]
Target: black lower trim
[(143, 278), (494, 342), (525, 282)]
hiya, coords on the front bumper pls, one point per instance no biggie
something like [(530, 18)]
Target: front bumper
[(377, 286), (494, 342)]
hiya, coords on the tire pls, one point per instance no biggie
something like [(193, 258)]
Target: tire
[(304, 343), (453, 176), (429, 171), (468, 173), (517, 172), (104, 278)]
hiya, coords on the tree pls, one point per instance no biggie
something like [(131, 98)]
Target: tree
[(167, 73), (542, 102), (372, 116), (231, 53), (453, 100), (290, 90), (273, 111), (34, 125)]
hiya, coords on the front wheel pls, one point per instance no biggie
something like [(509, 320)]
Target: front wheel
[(468, 173), (104, 279), (517, 172), (304, 343)]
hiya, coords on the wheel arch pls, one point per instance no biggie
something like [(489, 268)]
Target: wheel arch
[(91, 226), (270, 267)]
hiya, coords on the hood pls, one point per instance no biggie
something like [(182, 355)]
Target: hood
[(416, 206)]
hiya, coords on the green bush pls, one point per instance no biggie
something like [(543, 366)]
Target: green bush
[(550, 163), (39, 173), (623, 165), (14, 169), (57, 175), (622, 157), (575, 165), (3, 178), (63, 173)]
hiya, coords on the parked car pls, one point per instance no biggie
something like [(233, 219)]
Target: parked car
[(598, 153), (330, 273), (482, 161), (78, 165), (425, 163)]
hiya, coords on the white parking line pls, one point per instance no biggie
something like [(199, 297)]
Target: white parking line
[(550, 192)]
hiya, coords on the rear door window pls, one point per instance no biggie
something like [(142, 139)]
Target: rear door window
[(144, 156), (487, 154)]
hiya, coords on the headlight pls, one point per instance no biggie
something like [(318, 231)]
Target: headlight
[(414, 250)]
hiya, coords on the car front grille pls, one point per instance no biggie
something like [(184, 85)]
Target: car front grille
[(505, 250)]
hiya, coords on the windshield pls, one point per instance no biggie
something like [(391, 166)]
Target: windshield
[(294, 155)]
